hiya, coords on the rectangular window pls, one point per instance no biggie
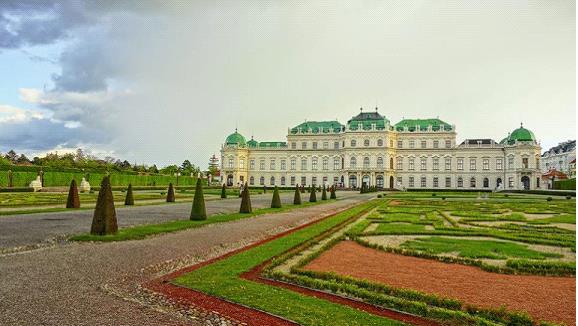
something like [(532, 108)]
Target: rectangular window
[(262, 181), (262, 165), (304, 164), (273, 164), (314, 163), (411, 164), (336, 165), (411, 183), (400, 144), (252, 164), (293, 164), (510, 162), (325, 145), (283, 165), (448, 143), (524, 162), (423, 182), (460, 163), (313, 181), (304, 145), (303, 181), (391, 143), (510, 182), (435, 182), (412, 144), (251, 181), (325, 164), (399, 163), (423, 144), (314, 145), (436, 144), (448, 182), (293, 145), (448, 163), (472, 164), (460, 182), (335, 180), (423, 164), (231, 163), (436, 163), (499, 164), (336, 145), (325, 180), (241, 164), (282, 181), (486, 164), (292, 180), (399, 180)]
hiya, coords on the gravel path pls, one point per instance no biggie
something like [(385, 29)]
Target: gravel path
[(28, 231), (98, 283)]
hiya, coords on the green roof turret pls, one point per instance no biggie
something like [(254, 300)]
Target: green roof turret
[(236, 139)]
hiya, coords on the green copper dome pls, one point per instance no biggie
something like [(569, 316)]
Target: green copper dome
[(236, 139), (252, 143), (520, 134)]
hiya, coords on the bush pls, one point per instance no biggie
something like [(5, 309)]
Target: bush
[(312, 195), (549, 199), (332, 193), (568, 197), (224, 191), (129, 200), (198, 212), (73, 200), (379, 196), (434, 194), (171, 194), (104, 219), (245, 202), (443, 198), (297, 196), (19, 189), (276, 201), (324, 194)]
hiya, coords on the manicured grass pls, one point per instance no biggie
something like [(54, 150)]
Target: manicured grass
[(563, 218), (400, 227), (143, 231), (222, 279), (475, 248)]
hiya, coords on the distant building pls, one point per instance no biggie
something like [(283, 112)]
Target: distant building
[(572, 172), (559, 157), (413, 153), (550, 176)]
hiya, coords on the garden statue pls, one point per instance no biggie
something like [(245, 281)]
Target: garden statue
[(84, 186), (36, 184)]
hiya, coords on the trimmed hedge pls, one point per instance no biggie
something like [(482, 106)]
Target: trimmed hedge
[(542, 192), (569, 184)]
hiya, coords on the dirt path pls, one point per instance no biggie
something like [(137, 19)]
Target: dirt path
[(547, 298), (98, 283)]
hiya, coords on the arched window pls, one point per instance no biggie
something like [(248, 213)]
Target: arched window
[(472, 182), (353, 143), (262, 181), (272, 181), (380, 142), (353, 163), (391, 163), (486, 182), (366, 143), (325, 163), (251, 180), (366, 162), (282, 181), (460, 182), (380, 162)]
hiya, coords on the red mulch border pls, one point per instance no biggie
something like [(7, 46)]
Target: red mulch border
[(252, 316)]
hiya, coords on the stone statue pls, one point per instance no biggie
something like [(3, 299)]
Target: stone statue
[(36, 184), (84, 186)]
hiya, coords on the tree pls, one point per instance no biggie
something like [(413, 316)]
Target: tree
[(276, 200), (332, 193), (245, 201), (104, 219), (129, 200), (73, 200), (171, 194), (312, 195), (297, 196), (324, 194), (199, 211), (224, 191), (22, 159), (11, 156)]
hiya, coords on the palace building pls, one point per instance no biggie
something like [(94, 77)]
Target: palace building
[(413, 153)]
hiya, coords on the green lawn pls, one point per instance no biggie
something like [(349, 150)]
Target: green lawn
[(475, 248), (399, 227), (222, 279), (562, 218)]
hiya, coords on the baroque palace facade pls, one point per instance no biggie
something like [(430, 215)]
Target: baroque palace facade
[(413, 153)]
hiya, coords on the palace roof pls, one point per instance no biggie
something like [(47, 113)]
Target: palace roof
[(318, 127), (423, 124), (366, 120)]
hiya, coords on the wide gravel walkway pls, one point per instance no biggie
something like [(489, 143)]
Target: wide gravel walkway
[(97, 283), (26, 231)]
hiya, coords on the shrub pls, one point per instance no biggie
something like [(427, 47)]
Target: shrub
[(332, 193), (223, 191), (324, 194), (198, 212), (73, 200), (549, 199), (312, 195), (297, 196), (245, 201), (171, 194), (129, 200), (379, 196), (568, 197), (276, 201), (264, 189), (104, 219), (434, 194), (443, 198)]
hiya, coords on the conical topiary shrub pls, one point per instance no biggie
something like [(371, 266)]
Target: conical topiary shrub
[(171, 194), (104, 219), (276, 201), (129, 200), (324, 194), (332, 194), (312, 195), (199, 212), (73, 200), (297, 196), (224, 191), (245, 201), (264, 189)]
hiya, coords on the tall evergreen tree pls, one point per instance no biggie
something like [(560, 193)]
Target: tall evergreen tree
[(324, 194), (246, 201), (224, 191), (332, 193), (104, 219), (312, 195), (73, 200), (129, 200), (297, 196), (171, 194), (276, 200), (199, 211)]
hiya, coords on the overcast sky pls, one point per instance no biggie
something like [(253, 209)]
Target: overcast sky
[(157, 83)]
